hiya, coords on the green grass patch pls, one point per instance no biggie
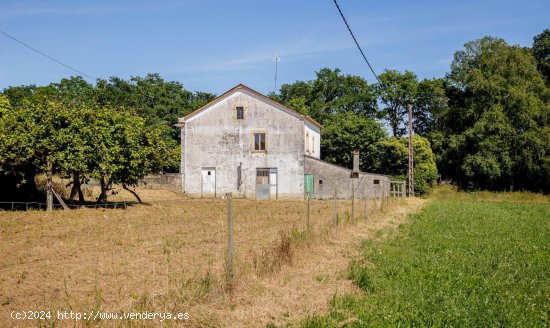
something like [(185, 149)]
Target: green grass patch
[(462, 261)]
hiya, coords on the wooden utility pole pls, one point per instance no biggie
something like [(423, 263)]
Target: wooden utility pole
[(411, 156)]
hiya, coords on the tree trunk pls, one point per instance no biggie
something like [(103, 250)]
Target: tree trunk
[(73, 192), (103, 196), (49, 186), (132, 192), (78, 187)]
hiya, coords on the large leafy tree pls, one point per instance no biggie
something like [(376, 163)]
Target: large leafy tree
[(104, 143), (346, 105), (19, 94), (346, 132), (397, 91), (4, 105), (125, 149), (31, 138), (541, 51), (330, 93), (496, 133), (430, 104), (159, 102)]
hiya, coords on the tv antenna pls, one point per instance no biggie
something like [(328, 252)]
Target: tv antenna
[(276, 59)]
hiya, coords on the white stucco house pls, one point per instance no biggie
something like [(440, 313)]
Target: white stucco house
[(245, 143)]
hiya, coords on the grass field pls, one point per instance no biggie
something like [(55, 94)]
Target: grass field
[(169, 255), (465, 260)]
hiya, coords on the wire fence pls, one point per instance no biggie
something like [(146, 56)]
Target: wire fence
[(20, 206)]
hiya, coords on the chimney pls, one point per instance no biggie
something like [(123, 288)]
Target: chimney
[(355, 172)]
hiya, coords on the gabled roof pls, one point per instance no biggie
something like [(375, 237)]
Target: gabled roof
[(245, 88)]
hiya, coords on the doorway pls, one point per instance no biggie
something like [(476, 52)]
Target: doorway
[(266, 183), (208, 183), (308, 185)]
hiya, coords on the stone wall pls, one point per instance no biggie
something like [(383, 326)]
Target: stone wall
[(170, 181)]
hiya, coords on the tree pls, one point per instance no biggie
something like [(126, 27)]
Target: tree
[(17, 95), (541, 51), (346, 132), (125, 149), (105, 143), (430, 104), (392, 158), (495, 134), (4, 105), (159, 102), (330, 93), (397, 91)]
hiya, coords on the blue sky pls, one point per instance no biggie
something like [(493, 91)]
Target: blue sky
[(214, 45)]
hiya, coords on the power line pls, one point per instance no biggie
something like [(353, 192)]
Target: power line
[(357, 43), (47, 56)]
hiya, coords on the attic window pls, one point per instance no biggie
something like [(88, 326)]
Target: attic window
[(240, 113)]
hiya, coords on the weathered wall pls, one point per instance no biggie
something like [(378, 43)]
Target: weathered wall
[(329, 178), (312, 140), (170, 181), (216, 138)]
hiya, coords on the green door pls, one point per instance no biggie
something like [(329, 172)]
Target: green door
[(308, 185)]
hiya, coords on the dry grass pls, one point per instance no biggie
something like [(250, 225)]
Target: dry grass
[(169, 255)]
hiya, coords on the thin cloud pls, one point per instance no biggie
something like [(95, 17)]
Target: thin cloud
[(289, 52)]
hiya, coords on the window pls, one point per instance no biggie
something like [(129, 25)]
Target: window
[(307, 142), (259, 142), (313, 145), (262, 176), (240, 113)]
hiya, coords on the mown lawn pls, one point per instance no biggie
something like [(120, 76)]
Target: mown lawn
[(463, 261)]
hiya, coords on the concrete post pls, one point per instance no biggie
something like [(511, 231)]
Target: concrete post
[(355, 160)]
